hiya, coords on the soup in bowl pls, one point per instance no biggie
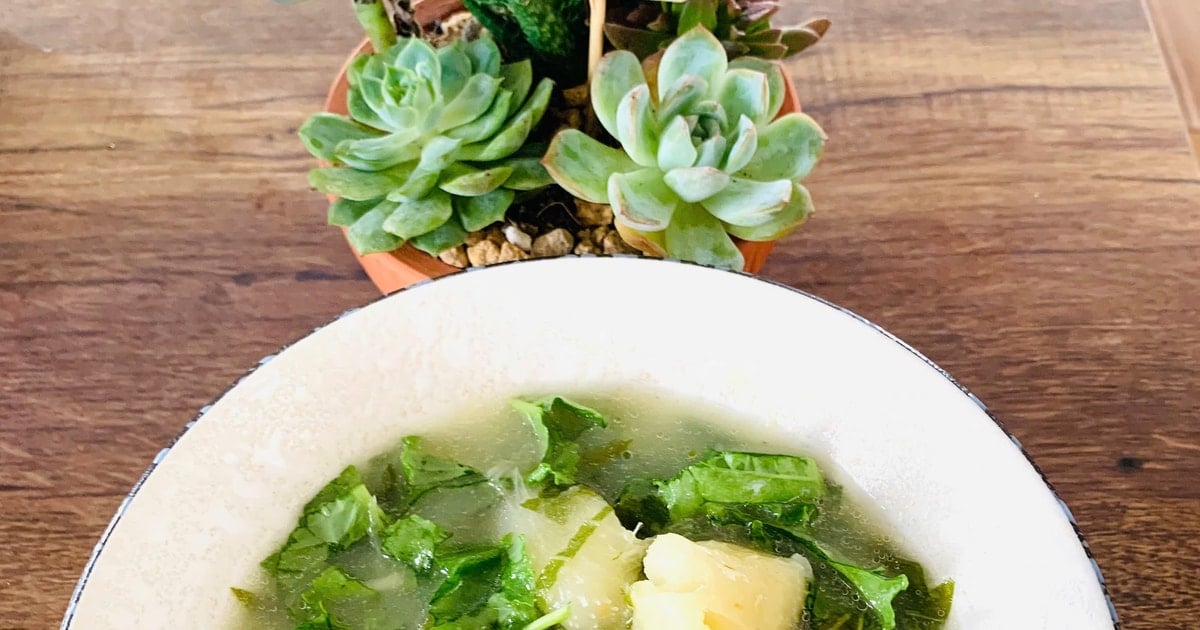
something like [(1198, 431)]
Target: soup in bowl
[(516, 448)]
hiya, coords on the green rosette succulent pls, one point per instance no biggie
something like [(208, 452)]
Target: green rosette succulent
[(434, 146), (703, 157)]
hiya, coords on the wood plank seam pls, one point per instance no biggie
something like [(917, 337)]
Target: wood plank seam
[(1177, 26)]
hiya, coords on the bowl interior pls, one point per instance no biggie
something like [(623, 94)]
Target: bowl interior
[(959, 494)]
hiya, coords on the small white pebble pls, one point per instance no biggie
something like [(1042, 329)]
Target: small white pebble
[(514, 235)]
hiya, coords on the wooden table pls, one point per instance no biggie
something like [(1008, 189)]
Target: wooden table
[(1008, 187)]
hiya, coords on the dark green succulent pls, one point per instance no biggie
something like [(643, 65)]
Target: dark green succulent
[(551, 32), (434, 147), (743, 27)]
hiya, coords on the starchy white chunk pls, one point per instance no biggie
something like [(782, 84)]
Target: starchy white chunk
[(582, 555), (727, 586)]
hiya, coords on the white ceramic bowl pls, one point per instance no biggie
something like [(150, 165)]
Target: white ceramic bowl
[(961, 495)]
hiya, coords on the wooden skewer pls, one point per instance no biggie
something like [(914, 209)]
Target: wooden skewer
[(596, 34)]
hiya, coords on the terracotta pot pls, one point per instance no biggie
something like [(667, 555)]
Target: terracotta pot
[(392, 271)]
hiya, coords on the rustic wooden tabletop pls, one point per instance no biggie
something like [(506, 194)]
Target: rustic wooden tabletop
[(1008, 187)]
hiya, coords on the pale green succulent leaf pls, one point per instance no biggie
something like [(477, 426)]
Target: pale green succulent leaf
[(354, 71), (516, 130), (476, 213), (374, 68), (682, 97), (422, 59), (488, 124), (371, 90), (696, 183), (528, 173), (474, 99), (322, 132), (636, 126), (456, 69), (360, 111), (415, 217), (696, 53), (787, 149), (776, 85), (616, 75), (436, 156), (389, 55), (467, 181), (744, 147), (641, 200), (710, 115), (380, 152), (447, 235), (389, 95), (748, 203), (697, 236), (745, 93), (782, 223), (518, 79), (675, 148), (358, 185), (537, 103), (367, 235), (582, 165), (711, 152), (406, 96), (395, 117), (503, 144), (344, 212), (485, 56)]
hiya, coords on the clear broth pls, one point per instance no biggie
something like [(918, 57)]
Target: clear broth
[(650, 435)]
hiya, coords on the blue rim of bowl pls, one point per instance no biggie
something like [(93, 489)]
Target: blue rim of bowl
[(1087, 550)]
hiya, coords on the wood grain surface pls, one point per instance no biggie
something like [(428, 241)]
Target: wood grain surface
[(1008, 187)]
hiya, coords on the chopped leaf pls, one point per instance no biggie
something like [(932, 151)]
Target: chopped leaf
[(514, 603), (342, 484), (244, 597), (423, 470), (344, 511), (412, 472), (413, 541), (641, 505), (558, 423), (331, 592), (472, 577), (920, 606), (742, 478), (877, 590), (299, 560)]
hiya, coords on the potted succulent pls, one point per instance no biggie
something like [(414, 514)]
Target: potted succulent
[(449, 141)]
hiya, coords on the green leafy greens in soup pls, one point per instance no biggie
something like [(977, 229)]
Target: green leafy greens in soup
[(584, 521)]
